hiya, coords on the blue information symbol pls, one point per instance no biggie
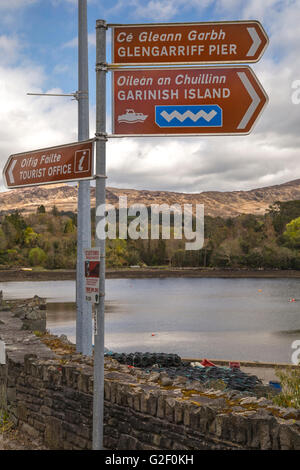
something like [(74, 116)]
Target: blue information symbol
[(189, 116)]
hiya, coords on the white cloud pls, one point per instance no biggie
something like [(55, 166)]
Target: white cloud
[(28, 123), (270, 155), (157, 10), (197, 164)]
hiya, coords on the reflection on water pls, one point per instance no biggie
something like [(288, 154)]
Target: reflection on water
[(60, 312), (53, 291), (245, 319), (62, 315)]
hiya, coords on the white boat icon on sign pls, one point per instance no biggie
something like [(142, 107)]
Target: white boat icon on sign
[(131, 116)]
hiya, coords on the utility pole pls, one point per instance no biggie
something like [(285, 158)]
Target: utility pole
[(84, 323), (84, 309), (101, 69)]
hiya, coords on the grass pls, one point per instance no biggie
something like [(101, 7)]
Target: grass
[(289, 397), (5, 422), (39, 334), (54, 343)]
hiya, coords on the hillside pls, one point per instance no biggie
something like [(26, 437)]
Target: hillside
[(216, 203)]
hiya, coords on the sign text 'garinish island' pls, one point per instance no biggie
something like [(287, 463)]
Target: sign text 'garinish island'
[(196, 100), (69, 162), (189, 43)]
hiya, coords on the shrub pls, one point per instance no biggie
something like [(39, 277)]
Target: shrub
[(290, 383), (41, 210), (37, 257), (30, 237), (292, 233)]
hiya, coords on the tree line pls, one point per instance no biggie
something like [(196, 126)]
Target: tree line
[(48, 240)]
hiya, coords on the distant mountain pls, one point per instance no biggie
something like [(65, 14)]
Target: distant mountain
[(216, 203)]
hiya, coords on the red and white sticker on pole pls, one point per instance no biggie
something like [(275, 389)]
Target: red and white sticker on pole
[(92, 274)]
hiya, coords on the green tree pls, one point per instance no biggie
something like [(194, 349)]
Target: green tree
[(41, 209), (254, 259), (159, 256), (54, 211), (282, 213), (30, 237), (178, 258), (3, 242), (10, 233), (37, 256), (69, 226), (292, 233), (14, 226), (116, 252)]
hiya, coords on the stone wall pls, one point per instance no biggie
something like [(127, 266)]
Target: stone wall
[(49, 395), (53, 403)]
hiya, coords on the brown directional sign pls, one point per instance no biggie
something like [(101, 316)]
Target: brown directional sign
[(69, 162), (188, 43), (192, 100)]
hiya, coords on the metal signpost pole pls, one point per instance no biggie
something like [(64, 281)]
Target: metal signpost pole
[(98, 404), (255, 100), (84, 309)]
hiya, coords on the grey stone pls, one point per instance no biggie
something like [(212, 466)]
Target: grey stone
[(53, 433), (248, 400), (30, 430), (166, 382), (154, 377)]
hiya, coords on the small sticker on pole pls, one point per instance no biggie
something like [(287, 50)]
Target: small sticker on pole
[(92, 274)]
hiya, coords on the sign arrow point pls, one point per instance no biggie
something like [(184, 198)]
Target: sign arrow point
[(249, 38), (255, 100), (256, 42), (42, 166), (10, 172)]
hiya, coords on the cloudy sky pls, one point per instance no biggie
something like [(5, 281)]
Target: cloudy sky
[(38, 53)]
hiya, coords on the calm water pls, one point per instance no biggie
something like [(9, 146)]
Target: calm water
[(246, 319)]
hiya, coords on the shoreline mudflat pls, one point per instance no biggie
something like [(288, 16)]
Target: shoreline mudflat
[(140, 273)]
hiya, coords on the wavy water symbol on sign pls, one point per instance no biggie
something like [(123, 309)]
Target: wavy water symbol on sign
[(188, 114)]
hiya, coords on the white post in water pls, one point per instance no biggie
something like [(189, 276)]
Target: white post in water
[(101, 68), (84, 326)]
